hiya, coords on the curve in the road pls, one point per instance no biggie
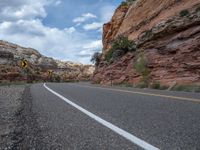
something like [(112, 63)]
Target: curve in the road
[(107, 124)]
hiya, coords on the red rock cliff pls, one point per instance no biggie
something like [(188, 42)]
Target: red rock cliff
[(169, 33)]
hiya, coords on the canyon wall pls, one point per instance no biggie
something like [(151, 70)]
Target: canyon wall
[(168, 33), (38, 66)]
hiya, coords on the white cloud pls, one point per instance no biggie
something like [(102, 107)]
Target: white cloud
[(93, 45), (58, 2), (89, 48), (21, 23), (12, 3), (5, 25), (23, 10), (66, 44), (84, 17), (70, 30), (93, 26)]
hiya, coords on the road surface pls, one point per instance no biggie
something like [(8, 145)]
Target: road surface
[(81, 116)]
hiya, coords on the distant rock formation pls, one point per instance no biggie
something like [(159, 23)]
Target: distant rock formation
[(168, 31), (39, 65)]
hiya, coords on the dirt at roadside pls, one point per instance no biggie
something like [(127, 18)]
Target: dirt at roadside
[(18, 125), (10, 108)]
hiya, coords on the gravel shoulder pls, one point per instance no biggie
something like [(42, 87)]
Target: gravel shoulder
[(17, 122), (10, 108)]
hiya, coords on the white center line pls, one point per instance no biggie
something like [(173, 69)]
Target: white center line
[(141, 143)]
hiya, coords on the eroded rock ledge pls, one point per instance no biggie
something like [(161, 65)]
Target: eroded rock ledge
[(168, 32)]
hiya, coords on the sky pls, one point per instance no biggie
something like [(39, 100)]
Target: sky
[(68, 30)]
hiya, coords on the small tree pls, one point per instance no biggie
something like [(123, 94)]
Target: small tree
[(96, 58)]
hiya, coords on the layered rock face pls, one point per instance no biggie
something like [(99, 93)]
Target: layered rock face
[(169, 34), (74, 71), (39, 65)]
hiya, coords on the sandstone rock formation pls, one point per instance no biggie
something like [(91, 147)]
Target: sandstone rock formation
[(169, 33), (74, 71), (39, 65)]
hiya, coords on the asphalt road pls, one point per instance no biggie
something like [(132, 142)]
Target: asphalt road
[(165, 120)]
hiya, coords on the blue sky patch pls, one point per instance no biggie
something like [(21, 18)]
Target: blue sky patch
[(68, 30)]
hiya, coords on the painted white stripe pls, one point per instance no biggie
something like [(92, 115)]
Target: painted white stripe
[(109, 125)]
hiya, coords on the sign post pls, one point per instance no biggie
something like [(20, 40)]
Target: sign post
[(111, 78), (24, 65), (50, 73)]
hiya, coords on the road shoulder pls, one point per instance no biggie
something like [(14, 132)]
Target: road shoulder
[(17, 122)]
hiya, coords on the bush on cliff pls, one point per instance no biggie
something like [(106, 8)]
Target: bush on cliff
[(124, 4), (184, 13), (141, 67), (96, 58), (198, 9), (127, 2), (120, 47), (109, 55), (130, 1)]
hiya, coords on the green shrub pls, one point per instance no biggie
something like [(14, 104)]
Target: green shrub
[(148, 34), (56, 78), (156, 85), (125, 84), (181, 88), (96, 82), (127, 2), (96, 58), (197, 89), (164, 87), (71, 81), (142, 85), (130, 1), (198, 9), (120, 47), (118, 53), (123, 43), (124, 3), (186, 88), (184, 13), (141, 65), (142, 68), (109, 55)]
